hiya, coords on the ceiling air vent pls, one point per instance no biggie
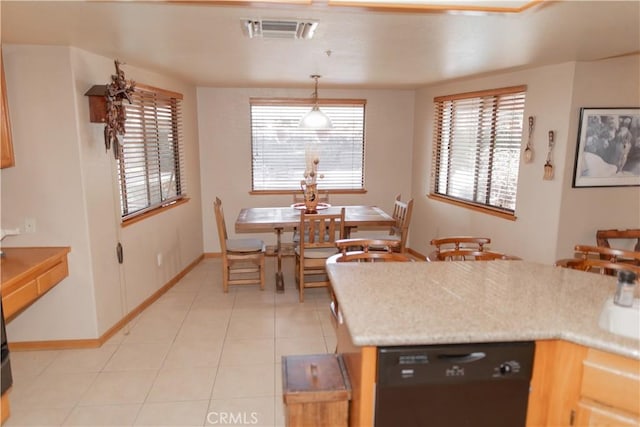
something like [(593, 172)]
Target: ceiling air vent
[(278, 28)]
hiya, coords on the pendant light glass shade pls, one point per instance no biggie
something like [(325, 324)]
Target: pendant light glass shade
[(315, 119)]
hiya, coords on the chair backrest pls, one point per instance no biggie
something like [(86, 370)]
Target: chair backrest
[(357, 250), (457, 248), (222, 227), (469, 255), (607, 254), (596, 265), (402, 214), (321, 230), (323, 197), (362, 244), (603, 237)]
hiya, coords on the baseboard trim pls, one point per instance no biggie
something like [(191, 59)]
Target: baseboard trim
[(212, 255), (97, 342)]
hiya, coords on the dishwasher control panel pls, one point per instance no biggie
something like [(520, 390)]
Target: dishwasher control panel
[(454, 363)]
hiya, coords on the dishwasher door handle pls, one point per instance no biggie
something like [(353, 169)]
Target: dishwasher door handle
[(463, 358)]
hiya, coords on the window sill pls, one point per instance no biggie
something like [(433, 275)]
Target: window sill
[(289, 192), (473, 207), (129, 221)]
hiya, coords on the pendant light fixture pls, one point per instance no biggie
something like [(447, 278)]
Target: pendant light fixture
[(315, 119)]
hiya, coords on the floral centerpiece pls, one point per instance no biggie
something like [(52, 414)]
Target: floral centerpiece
[(309, 185)]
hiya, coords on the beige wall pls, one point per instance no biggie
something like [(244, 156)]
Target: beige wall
[(551, 216), (611, 83), (225, 149), (65, 180), (46, 184), (533, 235)]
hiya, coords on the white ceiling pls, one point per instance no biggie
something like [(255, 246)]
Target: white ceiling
[(203, 43)]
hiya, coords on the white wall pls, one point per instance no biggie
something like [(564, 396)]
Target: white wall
[(64, 179), (611, 83), (225, 150), (533, 235)]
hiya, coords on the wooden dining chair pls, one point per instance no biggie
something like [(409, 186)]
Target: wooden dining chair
[(358, 250), (298, 197), (470, 255), (320, 233), (601, 259), (243, 260), (368, 250), (607, 253), (399, 231), (454, 248), (596, 265), (604, 237)]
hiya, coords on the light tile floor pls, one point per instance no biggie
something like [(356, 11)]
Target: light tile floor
[(196, 357)]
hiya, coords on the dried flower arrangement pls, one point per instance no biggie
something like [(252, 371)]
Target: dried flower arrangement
[(117, 91)]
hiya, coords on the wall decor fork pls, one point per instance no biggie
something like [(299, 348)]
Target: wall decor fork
[(548, 167)]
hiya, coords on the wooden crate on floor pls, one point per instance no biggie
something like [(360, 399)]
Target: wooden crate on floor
[(316, 390)]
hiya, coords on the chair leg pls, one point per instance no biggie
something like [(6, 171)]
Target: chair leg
[(301, 291), (301, 280), (225, 276), (297, 272)]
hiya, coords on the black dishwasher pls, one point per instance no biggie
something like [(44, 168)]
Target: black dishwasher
[(457, 385)]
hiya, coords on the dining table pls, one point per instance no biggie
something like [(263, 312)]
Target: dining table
[(287, 218)]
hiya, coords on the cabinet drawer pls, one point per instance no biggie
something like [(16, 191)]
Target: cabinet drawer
[(612, 380), (19, 298), (52, 276)]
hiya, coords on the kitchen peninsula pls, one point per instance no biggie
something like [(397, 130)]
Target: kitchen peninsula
[(408, 304)]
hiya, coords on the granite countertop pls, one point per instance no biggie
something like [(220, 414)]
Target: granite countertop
[(387, 304)]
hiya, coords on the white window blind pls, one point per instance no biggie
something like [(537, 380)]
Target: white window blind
[(150, 161), (477, 140), (280, 149)]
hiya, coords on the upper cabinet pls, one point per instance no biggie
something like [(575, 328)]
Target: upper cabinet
[(6, 144)]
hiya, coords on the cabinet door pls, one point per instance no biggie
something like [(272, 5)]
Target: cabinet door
[(612, 380), (6, 144), (592, 414)]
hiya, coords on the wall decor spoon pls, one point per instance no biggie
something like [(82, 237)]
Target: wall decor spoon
[(528, 151)]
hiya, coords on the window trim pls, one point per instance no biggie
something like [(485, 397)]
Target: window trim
[(169, 203), (289, 192), (153, 212), (474, 206), (310, 102)]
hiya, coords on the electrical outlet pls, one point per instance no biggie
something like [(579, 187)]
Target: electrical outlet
[(159, 259), (29, 225)]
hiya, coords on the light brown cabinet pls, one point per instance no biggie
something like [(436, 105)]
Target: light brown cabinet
[(573, 385), (609, 391), (6, 143), (28, 273)]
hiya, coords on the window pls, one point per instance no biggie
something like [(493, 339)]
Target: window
[(150, 165), (477, 138), (280, 150)]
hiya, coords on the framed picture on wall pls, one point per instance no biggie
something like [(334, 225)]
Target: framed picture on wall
[(608, 149)]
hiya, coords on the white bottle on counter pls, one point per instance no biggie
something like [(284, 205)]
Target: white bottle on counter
[(626, 288)]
